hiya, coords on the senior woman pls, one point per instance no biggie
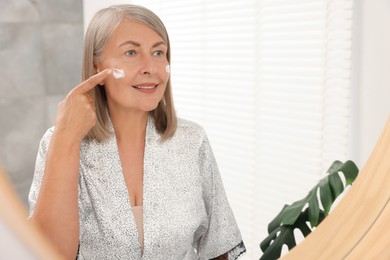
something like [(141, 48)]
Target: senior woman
[(120, 176)]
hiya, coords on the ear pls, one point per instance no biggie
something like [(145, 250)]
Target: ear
[(97, 67)]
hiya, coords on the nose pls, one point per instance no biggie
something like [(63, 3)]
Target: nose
[(148, 66)]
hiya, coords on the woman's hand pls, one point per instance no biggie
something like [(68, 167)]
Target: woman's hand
[(76, 114)]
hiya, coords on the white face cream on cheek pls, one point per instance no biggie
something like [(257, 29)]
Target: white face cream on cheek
[(168, 68), (118, 73)]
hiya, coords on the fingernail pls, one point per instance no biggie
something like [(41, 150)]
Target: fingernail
[(109, 71)]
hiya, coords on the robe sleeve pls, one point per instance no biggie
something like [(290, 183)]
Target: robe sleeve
[(40, 165), (222, 235)]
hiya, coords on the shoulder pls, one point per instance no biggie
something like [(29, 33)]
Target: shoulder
[(189, 126), (44, 143), (49, 132), (188, 134), (45, 140), (189, 130)]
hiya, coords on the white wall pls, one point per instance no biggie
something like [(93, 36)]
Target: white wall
[(373, 80)]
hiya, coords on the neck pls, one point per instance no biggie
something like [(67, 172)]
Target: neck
[(129, 125)]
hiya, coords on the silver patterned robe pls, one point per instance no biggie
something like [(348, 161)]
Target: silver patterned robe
[(185, 210)]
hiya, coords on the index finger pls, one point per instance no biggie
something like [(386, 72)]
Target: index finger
[(90, 83)]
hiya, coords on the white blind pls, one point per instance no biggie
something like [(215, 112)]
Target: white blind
[(270, 82), (304, 82)]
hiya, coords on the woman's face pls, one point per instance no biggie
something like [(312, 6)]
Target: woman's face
[(142, 54)]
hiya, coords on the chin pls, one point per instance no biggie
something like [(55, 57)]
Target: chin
[(149, 107)]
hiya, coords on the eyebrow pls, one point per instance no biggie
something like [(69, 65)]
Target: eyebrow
[(139, 44)]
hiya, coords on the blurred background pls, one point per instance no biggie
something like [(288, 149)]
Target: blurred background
[(283, 88), (40, 50)]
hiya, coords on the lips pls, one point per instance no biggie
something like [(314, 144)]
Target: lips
[(145, 86)]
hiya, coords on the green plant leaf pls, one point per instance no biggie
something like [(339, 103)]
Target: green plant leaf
[(325, 191), (293, 216), (314, 207), (334, 168), (301, 223), (283, 235), (291, 212), (336, 185), (276, 222), (350, 171)]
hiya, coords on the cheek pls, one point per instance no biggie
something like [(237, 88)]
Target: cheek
[(111, 90), (165, 71)]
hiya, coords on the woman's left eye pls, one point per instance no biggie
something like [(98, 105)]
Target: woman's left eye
[(158, 53)]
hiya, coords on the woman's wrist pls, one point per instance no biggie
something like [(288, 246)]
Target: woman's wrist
[(65, 139)]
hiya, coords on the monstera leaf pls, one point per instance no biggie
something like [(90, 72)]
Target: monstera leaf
[(307, 210)]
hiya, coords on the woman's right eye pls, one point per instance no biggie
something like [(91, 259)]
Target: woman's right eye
[(130, 53)]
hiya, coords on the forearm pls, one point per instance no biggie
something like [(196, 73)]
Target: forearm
[(56, 211)]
